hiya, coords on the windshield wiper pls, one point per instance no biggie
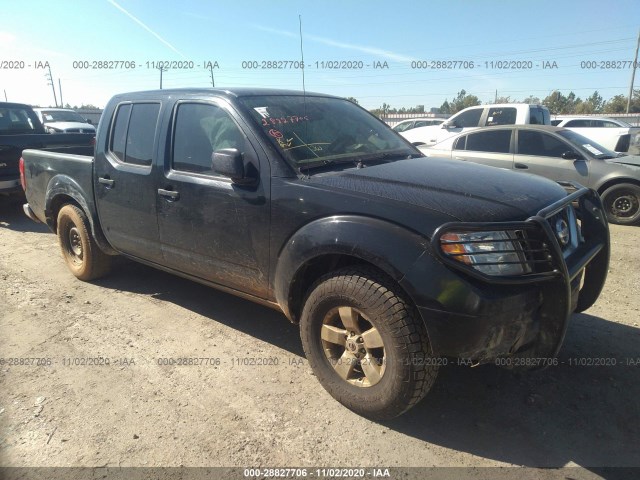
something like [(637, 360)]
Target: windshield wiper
[(360, 161), (388, 156), (304, 169)]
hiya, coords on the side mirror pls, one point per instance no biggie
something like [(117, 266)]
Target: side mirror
[(571, 155), (89, 121), (449, 125), (229, 162)]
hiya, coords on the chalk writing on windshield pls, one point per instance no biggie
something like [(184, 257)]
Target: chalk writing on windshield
[(270, 121)]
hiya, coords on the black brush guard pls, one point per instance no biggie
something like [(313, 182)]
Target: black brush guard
[(556, 269)]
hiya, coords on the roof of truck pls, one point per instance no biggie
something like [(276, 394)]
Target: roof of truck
[(230, 92)]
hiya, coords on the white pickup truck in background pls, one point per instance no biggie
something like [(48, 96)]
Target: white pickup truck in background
[(479, 116), (614, 134)]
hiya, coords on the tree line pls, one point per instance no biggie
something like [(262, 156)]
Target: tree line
[(556, 102)]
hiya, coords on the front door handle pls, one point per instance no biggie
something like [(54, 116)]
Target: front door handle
[(521, 166), (169, 194), (106, 181)]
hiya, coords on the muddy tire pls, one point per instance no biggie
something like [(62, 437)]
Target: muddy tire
[(622, 204), (366, 344), (79, 250)]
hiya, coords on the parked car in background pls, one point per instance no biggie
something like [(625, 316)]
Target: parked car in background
[(556, 153), (63, 120), (613, 134), (417, 122), (480, 116), (20, 128)]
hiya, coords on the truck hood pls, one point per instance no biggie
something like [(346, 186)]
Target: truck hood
[(465, 191), (76, 127)]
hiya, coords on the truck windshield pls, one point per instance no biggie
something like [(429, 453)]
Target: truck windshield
[(309, 130), (50, 116), (18, 120)]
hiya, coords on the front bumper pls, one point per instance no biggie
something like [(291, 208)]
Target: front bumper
[(481, 317)]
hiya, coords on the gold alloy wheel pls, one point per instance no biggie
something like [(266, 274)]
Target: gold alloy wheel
[(353, 346)]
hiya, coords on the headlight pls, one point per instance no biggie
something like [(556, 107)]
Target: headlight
[(492, 253)]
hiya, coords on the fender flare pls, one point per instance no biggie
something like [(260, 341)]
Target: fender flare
[(388, 246), (64, 185)]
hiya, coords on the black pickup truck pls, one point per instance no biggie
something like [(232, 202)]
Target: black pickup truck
[(391, 262), (20, 128)]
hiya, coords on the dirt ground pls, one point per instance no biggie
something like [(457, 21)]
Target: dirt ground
[(228, 411)]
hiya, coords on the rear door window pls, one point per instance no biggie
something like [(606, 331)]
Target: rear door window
[(119, 132), (460, 143), (501, 116), (133, 134), (578, 124), (495, 141)]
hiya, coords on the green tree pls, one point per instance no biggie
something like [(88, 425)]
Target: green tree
[(617, 104), (555, 102), (445, 108), (463, 101), (353, 100), (531, 100)]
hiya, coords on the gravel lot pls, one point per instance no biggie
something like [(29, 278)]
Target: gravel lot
[(230, 412)]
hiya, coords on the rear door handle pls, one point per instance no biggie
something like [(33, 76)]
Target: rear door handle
[(460, 158), (106, 181), (169, 194), (521, 166)]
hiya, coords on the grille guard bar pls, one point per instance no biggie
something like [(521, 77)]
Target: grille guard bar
[(593, 235)]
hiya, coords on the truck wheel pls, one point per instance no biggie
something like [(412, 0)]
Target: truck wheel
[(622, 203), (84, 258), (366, 344)]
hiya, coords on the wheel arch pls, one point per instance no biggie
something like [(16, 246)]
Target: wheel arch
[(615, 181), (63, 190), (331, 243)]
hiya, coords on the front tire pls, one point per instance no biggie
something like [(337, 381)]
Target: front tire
[(366, 344), (80, 251), (622, 204)]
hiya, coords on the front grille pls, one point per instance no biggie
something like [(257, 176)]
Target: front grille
[(535, 250)]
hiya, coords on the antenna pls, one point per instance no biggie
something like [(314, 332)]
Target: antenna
[(301, 53)]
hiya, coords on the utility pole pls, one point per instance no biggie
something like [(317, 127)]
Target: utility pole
[(213, 83), (60, 89), (5, 96), (50, 82), (633, 73), (162, 69), (496, 98)]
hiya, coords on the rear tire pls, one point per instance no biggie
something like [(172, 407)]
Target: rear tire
[(622, 204), (80, 251), (366, 344)]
